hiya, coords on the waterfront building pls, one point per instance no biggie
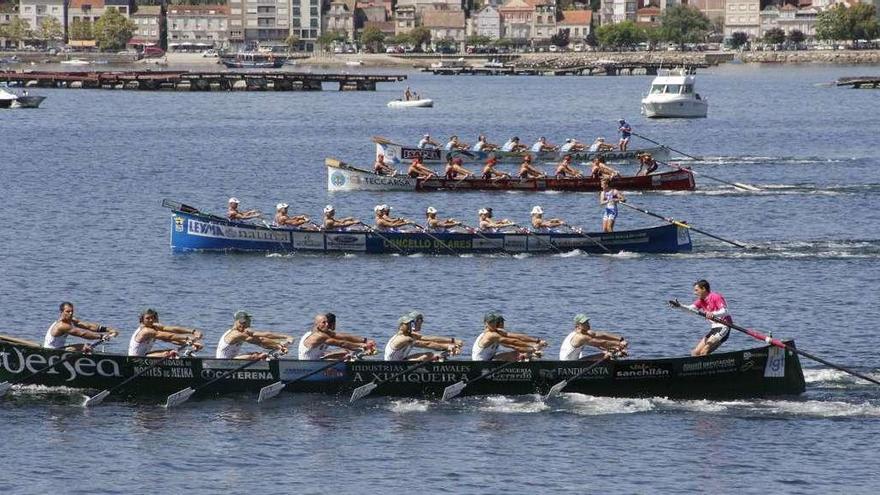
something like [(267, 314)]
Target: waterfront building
[(713, 9), (34, 11), (197, 26), (146, 19), (648, 16), (789, 18), (516, 21), (405, 19), (6, 18), (266, 22), (578, 24), (543, 20), (742, 16), (341, 18), (423, 6), (615, 11), (487, 22), (305, 21), (374, 11), (92, 10), (445, 25)]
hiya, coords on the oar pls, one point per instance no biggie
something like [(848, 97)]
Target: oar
[(181, 396), (380, 236), (456, 388), (536, 236), (772, 341), (437, 239), (274, 389), (687, 226), (739, 185), (476, 231), (100, 396), (556, 389), (364, 390), (5, 386), (581, 233)]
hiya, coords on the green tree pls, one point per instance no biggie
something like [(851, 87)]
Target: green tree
[(81, 30), (653, 35), (478, 40), (864, 21), (292, 42), (420, 36), (842, 23), (796, 36), (591, 39), (113, 30), (50, 29), (620, 35), (17, 30), (561, 38), (327, 38), (684, 24), (774, 36), (738, 39), (445, 44), (372, 37)]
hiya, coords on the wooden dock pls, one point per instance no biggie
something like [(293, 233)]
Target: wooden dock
[(198, 81), (593, 69), (859, 82)]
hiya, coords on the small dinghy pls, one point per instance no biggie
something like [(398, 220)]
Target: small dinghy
[(423, 102)]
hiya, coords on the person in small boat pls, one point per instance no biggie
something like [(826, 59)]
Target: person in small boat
[(513, 145), (400, 346), (232, 213), (539, 223), (493, 337), (647, 164), (241, 333), (150, 330), (380, 167), (488, 224), (333, 223), (625, 133), (599, 146), (572, 348), (408, 94), (542, 146), (483, 144), (316, 343), (384, 222), (601, 170), (566, 169), (68, 324), (609, 198), (282, 219), (427, 143), (529, 171), (455, 168), (455, 145), (713, 305), (418, 170), (436, 224), (490, 172)]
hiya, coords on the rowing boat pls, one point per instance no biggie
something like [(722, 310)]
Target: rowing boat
[(344, 177), (422, 102), (757, 372), (192, 230), (396, 153)]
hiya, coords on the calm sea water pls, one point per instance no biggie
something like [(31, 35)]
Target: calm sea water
[(85, 175)]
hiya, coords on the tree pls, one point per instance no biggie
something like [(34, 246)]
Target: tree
[(774, 36), (81, 30), (372, 37), (445, 45), (796, 36), (291, 41), (653, 35), (591, 39), (17, 30), (561, 38), (682, 24), (738, 39), (478, 40), (50, 29), (842, 23), (327, 38), (622, 34), (420, 36), (113, 30)]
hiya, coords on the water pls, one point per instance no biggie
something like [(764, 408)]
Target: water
[(85, 175)]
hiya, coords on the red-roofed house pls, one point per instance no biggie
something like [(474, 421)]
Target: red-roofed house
[(648, 16), (577, 22), (516, 20), (543, 20)]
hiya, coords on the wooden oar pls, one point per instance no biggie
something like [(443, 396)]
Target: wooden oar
[(581, 233), (100, 396), (364, 390), (5, 386), (17, 341), (181, 396), (738, 185), (380, 236), (476, 232), (526, 231), (687, 226), (772, 341), (274, 389), (556, 389), (456, 388), (436, 239)]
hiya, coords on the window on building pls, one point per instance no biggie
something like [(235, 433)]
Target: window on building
[(313, 11), (296, 12), (314, 23)]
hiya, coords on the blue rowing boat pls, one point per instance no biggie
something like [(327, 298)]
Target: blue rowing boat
[(192, 230)]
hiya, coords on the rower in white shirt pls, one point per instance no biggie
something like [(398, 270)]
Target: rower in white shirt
[(409, 336), (572, 348), (427, 143), (488, 343)]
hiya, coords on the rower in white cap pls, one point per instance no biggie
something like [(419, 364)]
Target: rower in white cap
[(599, 146), (582, 335), (385, 222), (436, 224), (333, 223), (488, 224), (539, 223), (283, 219), (426, 143), (400, 346), (233, 213)]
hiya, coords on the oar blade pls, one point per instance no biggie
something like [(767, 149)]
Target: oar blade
[(747, 187), (362, 391), (270, 391), (556, 389), (453, 390), (4, 387), (178, 398), (96, 399)]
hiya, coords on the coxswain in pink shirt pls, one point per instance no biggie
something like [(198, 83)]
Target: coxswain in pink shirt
[(714, 305)]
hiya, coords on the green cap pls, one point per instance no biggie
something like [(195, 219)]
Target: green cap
[(581, 318), (493, 317), (241, 315), (416, 315), (407, 318)]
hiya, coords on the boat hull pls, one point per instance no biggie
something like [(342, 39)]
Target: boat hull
[(200, 232), (423, 103), (28, 101), (757, 372), (679, 108), (248, 64)]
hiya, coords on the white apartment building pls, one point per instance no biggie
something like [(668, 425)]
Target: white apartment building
[(197, 25), (258, 21), (743, 16), (147, 21), (305, 22), (34, 11)]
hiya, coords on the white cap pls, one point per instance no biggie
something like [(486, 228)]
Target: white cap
[(427, 135), (329, 208), (386, 207), (281, 206), (537, 210), (600, 139), (569, 140), (431, 209), (377, 208), (234, 200), (483, 211)]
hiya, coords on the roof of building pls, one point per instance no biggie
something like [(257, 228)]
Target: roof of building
[(79, 4), (535, 3), (198, 10), (384, 26), (515, 5), (148, 10), (576, 17), (651, 10), (788, 7), (443, 19)]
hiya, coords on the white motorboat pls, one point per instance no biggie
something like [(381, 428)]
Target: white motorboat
[(422, 102), (6, 99), (672, 94), (75, 61), (354, 63)]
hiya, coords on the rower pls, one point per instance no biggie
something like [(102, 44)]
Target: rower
[(489, 171), (487, 224), (332, 223), (384, 222), (600, 146), (609, 198), (417, 170), (231, 341), (455, 145), (601, 170), (426, 143), (647, 164), (381, 167), (483, 145), (399, 347), (713, 305), (625, 133), (283, 219), (323, 335), (571, 146), (529, 171), (539, 223), (150, 330), (513, 145), (454, 168), (542, 146), (494, 336), (233, 214), (566, 169), (436, 224), (67, 324), (582, 335)]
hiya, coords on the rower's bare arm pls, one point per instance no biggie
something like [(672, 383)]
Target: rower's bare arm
[(174, 338), (84, 333), (516, 344), (264, 342), (348, 337), (351, 346)]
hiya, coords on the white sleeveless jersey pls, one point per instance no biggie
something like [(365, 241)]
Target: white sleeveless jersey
[(397, 355), (227, 351), (315, 353), (52, 342), (568, 352), (483, 353), (136, 348)]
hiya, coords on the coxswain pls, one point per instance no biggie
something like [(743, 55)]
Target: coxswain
[(233, 214), (600, 169), (625, 133), (436, 224), (282, 219), (713, 305), (566, 169), (67, 324), (582, 335), (542, 146), (150, 330), (454, 168), (315, 344), (539, 223), (380, 167), (487, 223), (513, 145), (489, 171), (609, 198), (647, 164), (600, 146), (455, 145), (333, 223), (426, 143), (529, 171), (231, 341), (417, 170), (400, 346), (384, 222), (488, 343)]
